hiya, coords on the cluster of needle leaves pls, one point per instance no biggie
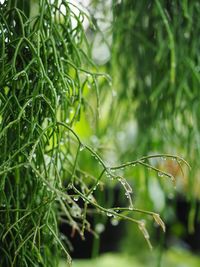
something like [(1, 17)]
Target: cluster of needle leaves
[(44, 80)]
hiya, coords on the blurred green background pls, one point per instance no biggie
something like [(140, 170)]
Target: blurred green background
[(173, 257)]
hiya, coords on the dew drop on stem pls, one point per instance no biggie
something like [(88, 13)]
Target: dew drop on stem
[(76, 198), (109, 214), (114, 221), (160, 174), (81, 147)]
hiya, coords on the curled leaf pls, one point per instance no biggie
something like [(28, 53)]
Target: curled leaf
[(159, 221)]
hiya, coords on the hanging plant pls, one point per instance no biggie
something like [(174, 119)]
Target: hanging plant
[(45, 72)]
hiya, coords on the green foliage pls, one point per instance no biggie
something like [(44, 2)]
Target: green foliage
[(155, 43), (155, 70), (41, 83), (47, 81), (155, 62)]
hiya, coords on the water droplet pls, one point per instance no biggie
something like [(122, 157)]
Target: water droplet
[(160, 174), (99, 228), (76, 198), (114, 221), (75, 210), (109, 214), (127, 195), (81, 147)]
